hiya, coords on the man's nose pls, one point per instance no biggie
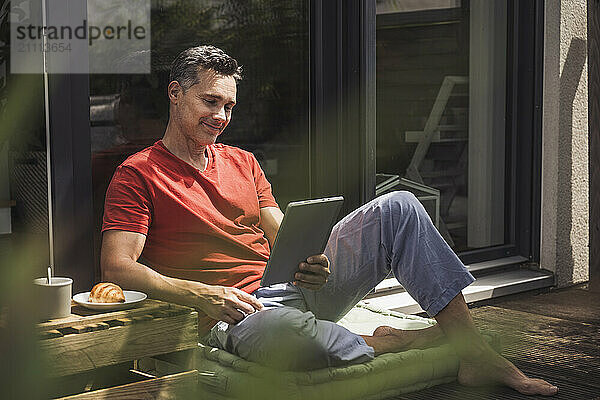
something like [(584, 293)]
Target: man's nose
[(221, 115)]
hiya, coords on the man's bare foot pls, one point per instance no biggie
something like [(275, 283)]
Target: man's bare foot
[(495, 369), (386, 339), (415, 338)]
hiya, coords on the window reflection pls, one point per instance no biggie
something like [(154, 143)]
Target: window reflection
[(441, 87), (23, 181)]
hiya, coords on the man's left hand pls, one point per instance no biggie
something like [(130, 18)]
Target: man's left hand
[(313, 273)]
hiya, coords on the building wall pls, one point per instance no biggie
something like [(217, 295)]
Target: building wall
[(564, 246)]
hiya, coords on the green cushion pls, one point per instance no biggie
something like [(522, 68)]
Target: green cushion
[(226, 376)]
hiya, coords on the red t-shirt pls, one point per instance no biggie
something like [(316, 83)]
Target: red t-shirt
[(201, 226)]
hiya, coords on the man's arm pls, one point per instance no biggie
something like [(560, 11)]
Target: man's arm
[(311, 274), (119, 255), (270, 220)]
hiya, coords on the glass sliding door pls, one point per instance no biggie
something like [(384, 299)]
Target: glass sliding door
[(441, 104)]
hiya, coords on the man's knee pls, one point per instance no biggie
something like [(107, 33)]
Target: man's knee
[(285, 339), (402, 202)]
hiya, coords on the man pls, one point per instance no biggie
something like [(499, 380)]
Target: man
[(191, 221)]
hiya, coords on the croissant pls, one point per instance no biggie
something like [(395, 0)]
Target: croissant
[(105, 292)]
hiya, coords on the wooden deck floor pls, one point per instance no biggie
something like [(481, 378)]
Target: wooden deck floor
[(553, 335)]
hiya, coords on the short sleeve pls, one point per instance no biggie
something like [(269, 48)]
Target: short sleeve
[(128, 204), (263, 187)]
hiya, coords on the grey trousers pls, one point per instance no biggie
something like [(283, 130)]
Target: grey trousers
[(297, 328)]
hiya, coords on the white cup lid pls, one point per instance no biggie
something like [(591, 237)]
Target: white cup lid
[(56, 281)]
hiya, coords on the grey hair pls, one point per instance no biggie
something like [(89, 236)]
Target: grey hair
[(185, 66)]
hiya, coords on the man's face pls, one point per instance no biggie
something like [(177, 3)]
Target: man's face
[(204, 110)]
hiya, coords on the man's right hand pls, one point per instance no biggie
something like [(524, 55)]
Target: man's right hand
[(227, 303), (122, 249)]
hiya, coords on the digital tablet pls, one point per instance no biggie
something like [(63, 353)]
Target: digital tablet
[(304, 232)]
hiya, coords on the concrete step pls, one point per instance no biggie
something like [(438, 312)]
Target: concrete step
[(477, 269), (394, 297)]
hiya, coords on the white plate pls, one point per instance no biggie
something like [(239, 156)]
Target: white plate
[(131, 298)]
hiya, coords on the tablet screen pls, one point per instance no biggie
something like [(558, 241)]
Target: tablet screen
[(304, 232)]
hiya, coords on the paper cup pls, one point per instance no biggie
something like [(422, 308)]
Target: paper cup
[(54, 299)]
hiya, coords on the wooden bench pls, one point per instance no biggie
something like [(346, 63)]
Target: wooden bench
[(91, 354)]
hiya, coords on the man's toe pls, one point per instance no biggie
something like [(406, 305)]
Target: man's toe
[(538, 386)]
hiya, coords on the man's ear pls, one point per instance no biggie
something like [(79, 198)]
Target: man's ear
[(174, 91)]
